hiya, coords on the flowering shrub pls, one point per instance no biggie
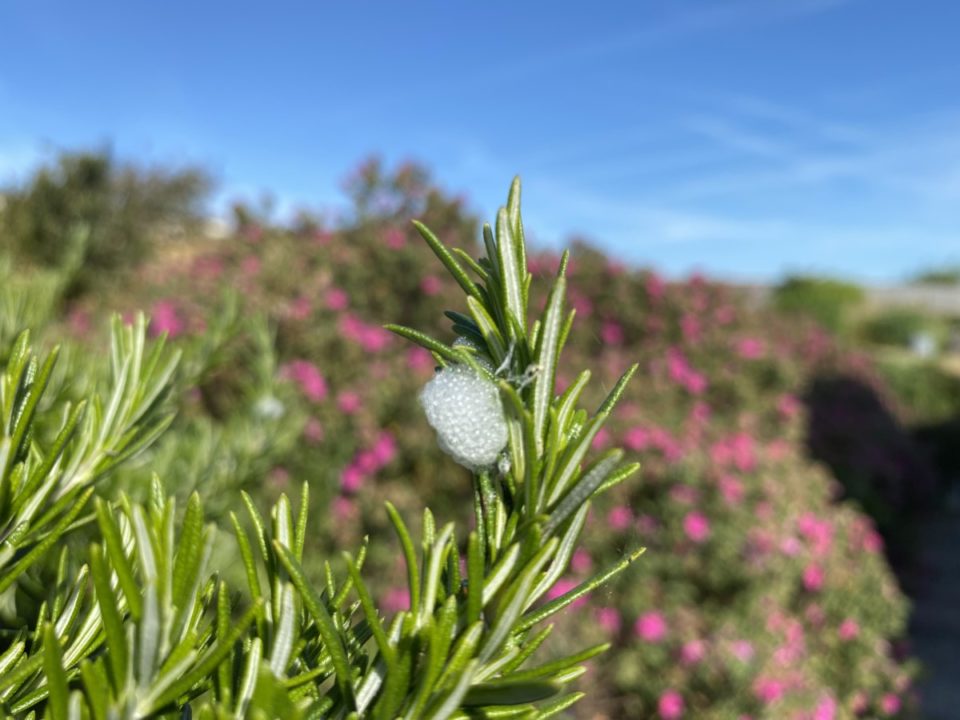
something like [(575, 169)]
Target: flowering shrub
[(143, 627), (764, 594)]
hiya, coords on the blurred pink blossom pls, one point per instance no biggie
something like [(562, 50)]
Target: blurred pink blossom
[(351, 479), (890, 704), (619, 518), (768, 690), (396, 599), (308, 377), (581, 303), (637, 439), (826, 710), (813, 577), (655, 286), (609, 619), (750, 348), (313, 431), (651, 627), (696, 526), (849, 629), (611, 332), (385, 448), (601, 439), (731, 488), (742, 650), (166, 319), (300, 308), (419, 359), (693, 652), (348, 401), (690, 327), (250, 266), (335, 299), (581, 562), (394, 238), (670, 705), (430, 285)]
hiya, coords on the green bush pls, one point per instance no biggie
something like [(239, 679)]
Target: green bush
[(830, 302), (90, 214), (902, 326)]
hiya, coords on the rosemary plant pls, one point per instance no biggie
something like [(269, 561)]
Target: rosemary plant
[(140, 625)]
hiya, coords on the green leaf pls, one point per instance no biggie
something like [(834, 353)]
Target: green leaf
[(546, 360), (54, 674), (328, 631), (110, 613), (441, 251)]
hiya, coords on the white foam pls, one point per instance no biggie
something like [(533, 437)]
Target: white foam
[(465, 410)]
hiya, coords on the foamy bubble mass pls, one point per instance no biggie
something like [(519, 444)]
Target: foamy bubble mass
[(465, 410)]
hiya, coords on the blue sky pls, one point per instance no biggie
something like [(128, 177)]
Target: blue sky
[(744, 138)]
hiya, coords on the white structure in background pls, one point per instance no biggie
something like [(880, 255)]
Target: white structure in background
[(923, 344), (216, 228)]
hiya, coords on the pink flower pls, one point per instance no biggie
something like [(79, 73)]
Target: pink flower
[(651, 627), (671, 705), (396, 599), (430, 285), (419, 359), (609, 619), (696, 526), (250, 266), (351, 479), (335, 299), (300, 308), (890, 704), (655, 286), (813, 578), (313, 431), (637, 439), (166, 319), (790, 546), (344, 508), (601, 439), (581, 304), (385, 448), (619, 518), (690, 326), (849, 629), (349, 402), (395, 238), (750, 348), (611, 332), (581, 562), (693, 652), (826, 710), (768, 690), (788, 406), (731, 489), (742, 650), (308, 377)]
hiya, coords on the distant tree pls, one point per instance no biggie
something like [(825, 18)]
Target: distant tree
[(830, 302), (88, 211), (938, 276)]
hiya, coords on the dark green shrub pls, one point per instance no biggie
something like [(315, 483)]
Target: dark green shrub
[(90, 213), (829, 302), (901, 326)]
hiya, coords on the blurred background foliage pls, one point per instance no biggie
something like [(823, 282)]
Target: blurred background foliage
[(790, 446)]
